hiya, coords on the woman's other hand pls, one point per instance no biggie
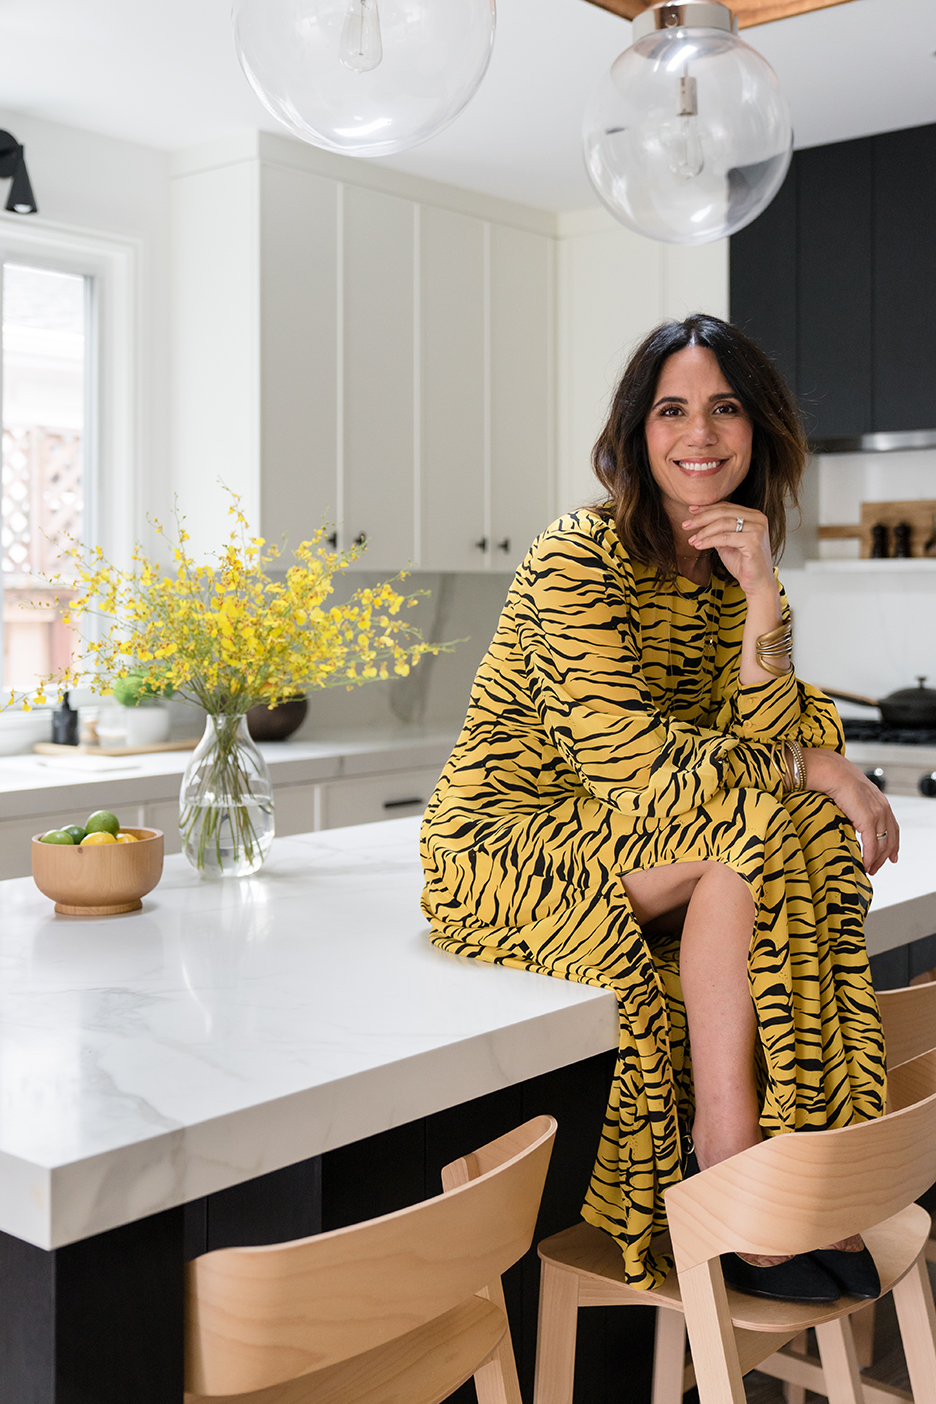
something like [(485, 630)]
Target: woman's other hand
[(746, 553), (859, 800)]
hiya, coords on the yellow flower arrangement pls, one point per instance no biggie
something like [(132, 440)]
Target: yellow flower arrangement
[(227, 636)]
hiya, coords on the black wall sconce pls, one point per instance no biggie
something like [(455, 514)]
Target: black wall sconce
[(21, 199)]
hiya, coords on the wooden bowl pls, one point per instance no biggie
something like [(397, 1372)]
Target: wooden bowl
[(99, 879)]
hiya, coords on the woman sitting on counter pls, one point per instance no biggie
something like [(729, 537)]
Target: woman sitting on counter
[(645, 797)]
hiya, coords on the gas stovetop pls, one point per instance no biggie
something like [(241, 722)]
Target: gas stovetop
[(879, 731)]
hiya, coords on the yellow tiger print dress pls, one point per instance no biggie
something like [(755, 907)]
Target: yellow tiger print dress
[(607, 732)]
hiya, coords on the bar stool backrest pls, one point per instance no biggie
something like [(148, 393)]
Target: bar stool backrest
[(261, 1316), (792, 1194), (909, 1018)]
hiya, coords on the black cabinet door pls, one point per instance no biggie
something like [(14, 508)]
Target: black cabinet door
[(837, 281), (834, 273), (905, 279), (762, 278)]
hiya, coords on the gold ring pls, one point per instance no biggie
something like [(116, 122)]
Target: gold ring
[(739, 525), (884, 835)]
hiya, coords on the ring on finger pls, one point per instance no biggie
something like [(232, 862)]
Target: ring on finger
[(884, 835), (739, 524)]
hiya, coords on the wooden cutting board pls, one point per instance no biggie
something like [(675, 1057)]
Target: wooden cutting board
[(918, 513), (50, 748)]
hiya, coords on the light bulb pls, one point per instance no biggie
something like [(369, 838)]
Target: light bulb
[(360, 48), (688, 137), (424, 61), (685, 141)]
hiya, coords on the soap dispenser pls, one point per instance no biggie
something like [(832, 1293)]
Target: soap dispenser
[(65, 723)]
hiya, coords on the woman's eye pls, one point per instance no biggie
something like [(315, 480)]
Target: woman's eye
[(727, 407)]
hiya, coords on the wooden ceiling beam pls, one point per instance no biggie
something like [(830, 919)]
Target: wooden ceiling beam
[(749, 12)]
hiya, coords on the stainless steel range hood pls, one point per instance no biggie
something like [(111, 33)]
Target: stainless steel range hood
[(877, 443)]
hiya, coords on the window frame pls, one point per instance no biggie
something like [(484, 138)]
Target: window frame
[(111, 457)]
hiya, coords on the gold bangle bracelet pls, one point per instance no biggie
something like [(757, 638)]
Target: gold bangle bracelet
[(797, 766), (776, 644)]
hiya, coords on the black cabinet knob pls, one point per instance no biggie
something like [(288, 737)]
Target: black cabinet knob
[(482, 545), (504, 545), (927, 785), (332, 540), (361, 538), (876, 777)]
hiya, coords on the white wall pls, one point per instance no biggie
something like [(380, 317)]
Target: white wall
[(95, 185), (614, 287)]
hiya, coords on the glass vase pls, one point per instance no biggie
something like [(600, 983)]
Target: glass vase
[(226, 805)]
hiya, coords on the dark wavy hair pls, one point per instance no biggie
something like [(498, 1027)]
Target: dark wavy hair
[(621, 462)]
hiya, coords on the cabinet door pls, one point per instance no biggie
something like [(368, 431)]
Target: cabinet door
[(521, 392), (763, 278), (298, 339), (377, 797), (296, 809), (164, 814), (834, 288), (378, 389), (454, 431), (905, 279)]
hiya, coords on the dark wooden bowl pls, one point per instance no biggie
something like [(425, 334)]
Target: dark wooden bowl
[(276, 723)]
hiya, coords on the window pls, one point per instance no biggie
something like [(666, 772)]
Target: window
[(45, 345)]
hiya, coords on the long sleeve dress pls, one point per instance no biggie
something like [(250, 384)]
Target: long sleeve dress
[(608, 732)]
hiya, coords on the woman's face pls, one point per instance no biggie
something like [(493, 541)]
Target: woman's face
[(698, 435)]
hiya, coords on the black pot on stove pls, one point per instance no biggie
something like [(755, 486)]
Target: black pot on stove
[(909, 706)]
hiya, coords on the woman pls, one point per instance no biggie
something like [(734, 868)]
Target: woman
[(644, 797)]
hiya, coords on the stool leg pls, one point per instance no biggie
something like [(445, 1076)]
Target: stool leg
[(913, 1298), (555, 1336), (669, 1356), (862, 1324), (839, 1362), (794, 1393), (497, 1382)]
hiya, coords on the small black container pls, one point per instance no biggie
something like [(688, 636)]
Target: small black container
[(65, 724)]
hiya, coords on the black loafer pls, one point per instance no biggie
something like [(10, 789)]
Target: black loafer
[(799, 1280), (855, 1273)]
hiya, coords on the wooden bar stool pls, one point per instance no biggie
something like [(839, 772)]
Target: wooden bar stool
[(404, 1307), (909, 1018), (790, 1194)]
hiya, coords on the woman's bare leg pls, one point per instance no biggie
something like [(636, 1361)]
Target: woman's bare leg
[(717, 913), (715, 910)]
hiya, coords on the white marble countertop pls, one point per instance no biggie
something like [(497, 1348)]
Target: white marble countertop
[(45, 784), (229, 1029)]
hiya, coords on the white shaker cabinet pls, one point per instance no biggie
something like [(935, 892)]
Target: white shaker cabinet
[(377, 335), (453, 392), (522, 392), (355, 344)]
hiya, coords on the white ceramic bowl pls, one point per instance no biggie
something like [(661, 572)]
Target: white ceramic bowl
[(19, 731)]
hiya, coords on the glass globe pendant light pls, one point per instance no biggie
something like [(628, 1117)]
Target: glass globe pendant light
[(364, 77), (688, 137)]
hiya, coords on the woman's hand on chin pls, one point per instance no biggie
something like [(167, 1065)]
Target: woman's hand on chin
[(860, 801), (746, 553)]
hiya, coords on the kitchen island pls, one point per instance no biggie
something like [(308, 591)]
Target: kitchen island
[(228, 1032)]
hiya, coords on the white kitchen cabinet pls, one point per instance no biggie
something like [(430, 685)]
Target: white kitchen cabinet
[(376, 797), (164, 814), (354, 343), (522, 392), (378, 376), (454, 441)]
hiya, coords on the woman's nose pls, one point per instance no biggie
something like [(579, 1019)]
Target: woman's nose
[(700, 430)]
